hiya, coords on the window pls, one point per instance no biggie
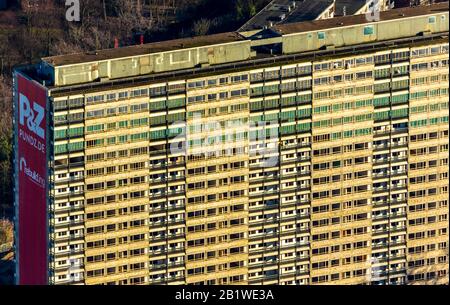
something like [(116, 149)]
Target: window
[(432, 19), (321, 35), (123, 95), (368, 30)]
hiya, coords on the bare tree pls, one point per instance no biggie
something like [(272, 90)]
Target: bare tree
[(201, 27)]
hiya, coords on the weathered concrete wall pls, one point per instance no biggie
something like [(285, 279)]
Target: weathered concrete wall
[(152, 63), (352, 35)]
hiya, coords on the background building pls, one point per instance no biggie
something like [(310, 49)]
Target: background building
[(308, 153), (289, 11)]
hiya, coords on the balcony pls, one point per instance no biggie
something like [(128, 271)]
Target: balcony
[(164, 208), (389, 202), (165, 165), (380, 133), (167, 223), (386, 146), (162, 152), (157, 267), (166, 180), (389, 174), (70, 238), (173, 250), (69, 194), (296, 160), (268, 178), (71, 252), (386, 258), (168, 237), (389, 216), (388, 244), (388, 230), (71, 223), (391, 272), (166, 194), (279, 220), (263, 193), (285, 147), (61, 210), (70, 165), (68, 180), (167, 280), (296, 174), (387, 160)]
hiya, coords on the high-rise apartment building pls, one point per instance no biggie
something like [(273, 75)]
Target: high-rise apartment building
[(307, 153)]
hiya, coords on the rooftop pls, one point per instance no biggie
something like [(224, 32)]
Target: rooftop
[(343, 21), (350, 7), (155, 47), (308, 10), (286, 11)]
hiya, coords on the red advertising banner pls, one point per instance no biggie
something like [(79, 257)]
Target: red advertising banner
[(32, 175)]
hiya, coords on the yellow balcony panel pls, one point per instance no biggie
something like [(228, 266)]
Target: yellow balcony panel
[(116, 262), (116, 248), (116, 220), (116, 234), (115, 277)]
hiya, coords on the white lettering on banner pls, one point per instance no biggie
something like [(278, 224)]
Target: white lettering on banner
[(34, 116), (32, 141), (32, 174)]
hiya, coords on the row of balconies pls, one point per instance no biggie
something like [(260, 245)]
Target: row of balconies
[(377, 161), (385, 146), (376, 232), (276, 261), (171, 265), (275, 234), (391, 131), (273, 178), (273, 247), (277, 219), (258, 280), (383, 189), (381, 245), (164, 165), (389, 216), (389, 174)]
